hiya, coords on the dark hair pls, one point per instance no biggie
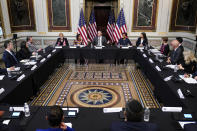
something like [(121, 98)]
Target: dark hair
[(23, 44), (55, 116), (77, 37), (144, 35), (134, 111), (28, 38), (6, 43), (165, 39), (179, 39), (124, 33)]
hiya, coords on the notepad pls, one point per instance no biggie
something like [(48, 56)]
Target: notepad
[(112, 110)]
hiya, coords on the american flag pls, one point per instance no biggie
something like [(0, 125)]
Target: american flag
[(82, 30), (92, 28), (120, 27), (110, 26)]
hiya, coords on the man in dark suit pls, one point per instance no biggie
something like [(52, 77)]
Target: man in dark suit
[(100, 40), (55, 119), (180, 40), (176, 56), (9, 57), (133, 119)]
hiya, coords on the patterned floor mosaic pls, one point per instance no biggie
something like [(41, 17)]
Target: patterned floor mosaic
[(96, 85)]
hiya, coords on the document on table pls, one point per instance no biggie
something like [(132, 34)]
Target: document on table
[(112, 110), (188, 80), (6, 122), (1, 77)]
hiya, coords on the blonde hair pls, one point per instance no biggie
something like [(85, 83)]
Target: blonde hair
[(189, 57), (61, 34)]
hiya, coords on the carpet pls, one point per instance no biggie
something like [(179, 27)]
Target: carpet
[(96, 85)]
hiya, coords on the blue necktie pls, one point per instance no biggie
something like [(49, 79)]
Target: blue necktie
[(14, 57)]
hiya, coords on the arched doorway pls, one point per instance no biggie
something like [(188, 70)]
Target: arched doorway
[(102, 10)]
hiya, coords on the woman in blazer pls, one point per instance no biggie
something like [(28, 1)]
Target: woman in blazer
[(142, 40)]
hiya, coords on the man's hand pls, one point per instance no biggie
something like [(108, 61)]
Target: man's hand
[(12, 68), (186, 75), (195, 78), (168, 61), (39, 49), (180, 67), (63, 126)]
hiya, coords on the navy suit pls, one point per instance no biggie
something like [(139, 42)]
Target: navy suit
[(9, 60), (133, 126), (177, 57), (144, 43)]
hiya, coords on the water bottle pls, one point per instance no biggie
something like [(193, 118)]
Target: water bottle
[(146, 114), (175, 68), (26, 110)]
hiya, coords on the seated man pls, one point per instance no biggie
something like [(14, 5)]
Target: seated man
[(9, 57), (124, 41), (100, 40), (32, 48), (133, 119), (176, 56), (55, 118)]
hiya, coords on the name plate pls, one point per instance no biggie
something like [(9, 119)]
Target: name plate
[(21, 77), (144, 55), (42, 60), (151, 61), (171, 109), (157, 67), (54, 50), (49, 56), (34, 67), (180, 94), (2, 90), (112, 110), (58, 47), (72, 47)]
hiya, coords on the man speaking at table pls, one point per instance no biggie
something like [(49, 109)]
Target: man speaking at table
[(100, 40), (176, 56)]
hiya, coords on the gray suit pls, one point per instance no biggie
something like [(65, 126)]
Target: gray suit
[(32, 48), (103, 41)]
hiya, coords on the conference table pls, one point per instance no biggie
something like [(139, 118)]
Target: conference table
[(89, 119), (16, 93)]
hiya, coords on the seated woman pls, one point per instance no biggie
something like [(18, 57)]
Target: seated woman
[(190, 63), (61, 41), (165, 49), (124, 41), (77, 42), (142, 40), (24, 52)]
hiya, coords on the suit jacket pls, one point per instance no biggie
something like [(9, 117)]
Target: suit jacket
[(138, 42), (177, 57), (62, 43), (133, 126), (165, 49), (9, 59), (104, 41), (32, 48), (190, 127), (125, 42), (55, 129), (190, 68)]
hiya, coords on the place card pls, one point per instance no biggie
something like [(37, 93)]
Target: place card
[(125, 47), (141, 50), (49, 56), (171, 109), (42, 60), (157, 67), (58, 47), (68, 124), (71, 109), (6, 122), (150, 60), (18, 109), (168, 78), (54, 50), (144, 55), (72, 47), (1, 77), (2, 90), (21, 77), (34, 67), (183, 123), (112, 110), (180, 94)]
